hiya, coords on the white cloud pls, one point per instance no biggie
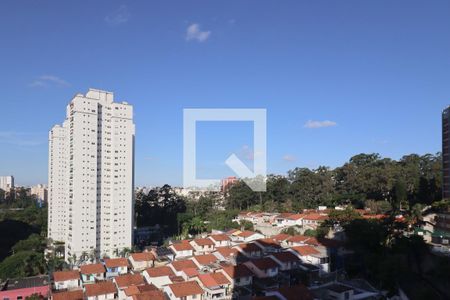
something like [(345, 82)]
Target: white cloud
[(319, 124), (289, 158), (48, 80), (119, 16), (193, 32)]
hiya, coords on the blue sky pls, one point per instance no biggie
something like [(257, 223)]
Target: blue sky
[(377, 71)]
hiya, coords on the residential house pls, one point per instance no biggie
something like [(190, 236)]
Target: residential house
[(228, 254), (286, 260), (188, 290), (123, 282), (144, 292), (159, 276), (294, 220), (116, 266), (68, 295), (296, 292), (204, 260), (250, 250), (104, 290), (248, 236), (67, 280), (220, 240), (182, 249), (263, 267), (141, 261), (268, 245), (215, 286), (203, 246), (238, 275), (180, 265), (310, 255), (92, 273)]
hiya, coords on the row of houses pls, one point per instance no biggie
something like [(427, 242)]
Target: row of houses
[(223, 265)]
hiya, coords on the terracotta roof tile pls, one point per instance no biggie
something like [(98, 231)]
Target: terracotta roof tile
[(101, 288), (281, 237), (246, 234), (205, 259), (182, 246), (219, 237), (298, 238), (238, 271), (250, 247), (159, 271), (68, 295), (305, 250), (184, 289), (183, 264), (227, 251), (144, 256), (116, 262), (204, 242), (285, 257), (66, 275), (264, 263), (213, 279), (150, 295), (92, 269), (129, 279)]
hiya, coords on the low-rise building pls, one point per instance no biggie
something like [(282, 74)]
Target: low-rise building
[(263, 267), (220, 240), (189, 290), (215, 286), (92, 273), (66, 280), (159, 276), (141, 261), (104, 290), (21, 288), (123, 282), (116, 267), (182, 249), (203, 246)]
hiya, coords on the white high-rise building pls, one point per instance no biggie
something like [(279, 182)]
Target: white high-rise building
[(91, 176), (6, 183)]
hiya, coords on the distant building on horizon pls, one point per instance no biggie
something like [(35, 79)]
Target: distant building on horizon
[(91, 176), (40, 192), (446, 153), (226, 183), (6, 183)]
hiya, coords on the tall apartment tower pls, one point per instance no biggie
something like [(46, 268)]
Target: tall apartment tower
[(446, 153), (91, 199), (6, 183)]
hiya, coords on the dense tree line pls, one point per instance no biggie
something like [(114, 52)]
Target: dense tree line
[(364, 180)]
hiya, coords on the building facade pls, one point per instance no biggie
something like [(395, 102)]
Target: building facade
[(40, 192), (446, 153), (95, 177), (6, 183)]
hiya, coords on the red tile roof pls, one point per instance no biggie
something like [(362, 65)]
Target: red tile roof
[(68, 295), (281, 237), (183, 264), (159, 271), (268, 242), (264, 263), (192, 272), (237, 271), (296, 217), (66, 275), (150, 295), (184, 289), (298, 238), (92, 269), (101, 288), (249, 247), (134, 289), (144, 256), (227, 251), (182, 246), (213, 279), (116, 262), (204, 242), (219, 237), (285, 257), (305, 250), (246, 234), (315, 217), (205, 259), (129, 280)]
